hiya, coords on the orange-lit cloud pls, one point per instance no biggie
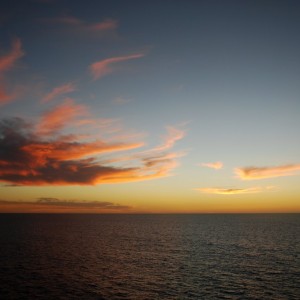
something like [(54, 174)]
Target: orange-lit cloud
[(222, 191), (58, 91), (104, 67), (154, 163), (41, 155), (214, 165), (157, 162), (55, 119), (64, 149), (251, 173)]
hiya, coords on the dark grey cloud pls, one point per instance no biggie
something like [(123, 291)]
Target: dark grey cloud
[(60, 203)]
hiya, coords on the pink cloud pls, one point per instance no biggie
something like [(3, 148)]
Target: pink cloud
[(77, 25), (174, 134), (233, 191), (252, 173), (58, 91), (103, 26), (104, 67), (68, 20), (214, 165), (57, 118), (8, 61)]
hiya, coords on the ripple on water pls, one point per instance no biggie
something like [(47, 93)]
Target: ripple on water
[(150, 256)]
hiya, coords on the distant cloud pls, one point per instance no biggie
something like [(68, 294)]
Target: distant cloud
[(251, 173), (104, 67), (103, 26), (7, 62), (46, 204), (157, 161), (59, 91), (81, 203), (174, 134), (214, 165), (8, 93), (4, 96), (233, 191), (120, 101), (79, 26)]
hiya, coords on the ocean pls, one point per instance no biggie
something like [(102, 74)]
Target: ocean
[(212, 256)]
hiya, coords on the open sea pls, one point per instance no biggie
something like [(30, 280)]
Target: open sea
[(214, 256)]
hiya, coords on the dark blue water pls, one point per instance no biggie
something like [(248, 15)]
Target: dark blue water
[(150, 256)]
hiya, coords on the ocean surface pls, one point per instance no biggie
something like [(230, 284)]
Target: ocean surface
[(49, 256)]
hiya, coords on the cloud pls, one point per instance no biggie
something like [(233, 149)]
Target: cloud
[(8, 61), (120, 101), (56, 119), (174, 134), (158, 153), (214, 165), (252, 173), (78, 26), (4, 96), (38, 154), (104, 67), (233, 191), (81, 203), (103, 26), (58, 91), (47, 204)]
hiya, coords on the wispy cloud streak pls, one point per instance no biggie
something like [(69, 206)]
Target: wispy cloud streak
[(158, 153), (214, 165), (174, 135), (7, 62), (4, 96), (233, 191), (252, 173), (104, 67), (57, 118), (59, 91), (78, 26)]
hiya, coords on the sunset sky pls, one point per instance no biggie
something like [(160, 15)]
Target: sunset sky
[(149, 106)]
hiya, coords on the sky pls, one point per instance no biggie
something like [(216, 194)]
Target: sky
[(149, 106)]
